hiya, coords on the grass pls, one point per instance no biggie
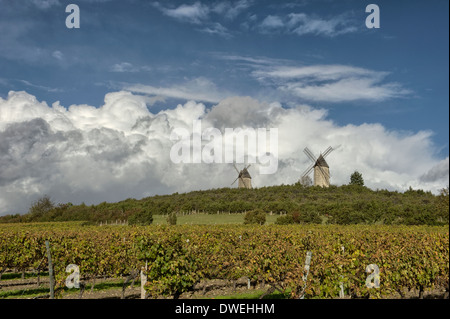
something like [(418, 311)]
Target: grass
[(12, 276), (28, 293), (44, 290), (210, 219), (188, 219), (255, 294), (102, 286)]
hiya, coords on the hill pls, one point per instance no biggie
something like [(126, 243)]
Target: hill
[(347, 204)]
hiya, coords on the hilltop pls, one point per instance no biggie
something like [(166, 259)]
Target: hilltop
[(347, 204)]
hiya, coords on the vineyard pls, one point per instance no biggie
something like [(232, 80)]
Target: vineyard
[(179, 257)]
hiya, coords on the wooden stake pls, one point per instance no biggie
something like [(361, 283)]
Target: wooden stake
[(305, 274), (50, 270), (143, 280)]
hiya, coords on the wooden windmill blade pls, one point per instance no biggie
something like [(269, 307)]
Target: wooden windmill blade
[(309, 169), (239, 174), (327, 151), (313, 160), (310, 155)]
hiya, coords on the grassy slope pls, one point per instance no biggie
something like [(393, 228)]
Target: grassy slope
[(335, 205), (209, 219)]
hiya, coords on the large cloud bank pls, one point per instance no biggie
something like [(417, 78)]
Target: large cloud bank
[(119, 150)]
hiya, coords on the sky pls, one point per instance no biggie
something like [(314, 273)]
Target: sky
[(86, 114)]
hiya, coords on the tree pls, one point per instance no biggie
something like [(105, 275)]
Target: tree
[(299, 218), (356, 179), (142, 218), (256, 216), (172, 218), (305, 181), (40, 207), (285, 220), (442, 205)]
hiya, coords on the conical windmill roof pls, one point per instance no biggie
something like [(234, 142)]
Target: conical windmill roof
[(321, 162), (244, 174)]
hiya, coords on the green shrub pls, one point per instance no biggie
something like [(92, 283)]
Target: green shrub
[(255, 216), (310, 218), (142, 218), (172, 218), (285, 220)]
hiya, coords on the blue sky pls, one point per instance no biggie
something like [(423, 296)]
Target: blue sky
[(126, 43), (315, 53)]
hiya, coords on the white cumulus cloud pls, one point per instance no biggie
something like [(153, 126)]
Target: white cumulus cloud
[(82, 153)]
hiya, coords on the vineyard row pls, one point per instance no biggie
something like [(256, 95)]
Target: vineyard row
[(178, 257)]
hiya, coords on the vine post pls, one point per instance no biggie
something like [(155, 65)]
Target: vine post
[(143, 280), (306, 272), (50, 270)]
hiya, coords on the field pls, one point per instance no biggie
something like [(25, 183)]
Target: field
[(229, 260), (210, 219)]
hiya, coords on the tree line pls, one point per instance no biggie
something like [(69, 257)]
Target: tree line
[(346, 204)]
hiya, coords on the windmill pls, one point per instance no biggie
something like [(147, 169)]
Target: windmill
[(320, 166), (245, 180)]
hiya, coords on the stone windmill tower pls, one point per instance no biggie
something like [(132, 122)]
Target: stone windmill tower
[(245, 180), (320, 166)]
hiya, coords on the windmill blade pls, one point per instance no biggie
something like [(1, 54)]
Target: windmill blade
[(236, 168), (327, 151), (310, 155), (308, 170), (248, 166), (235, 180), (330, 149)]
